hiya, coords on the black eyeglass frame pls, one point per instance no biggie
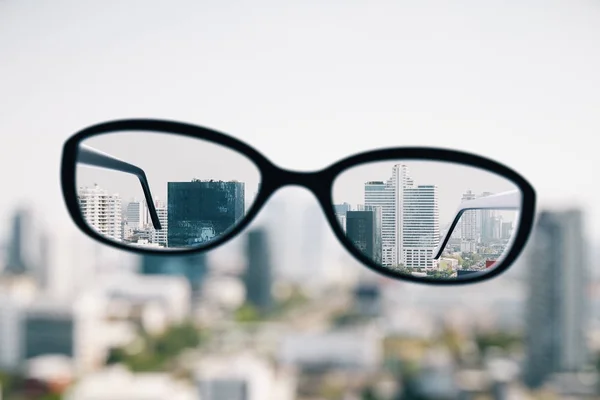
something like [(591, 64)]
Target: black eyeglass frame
[(320, 183)]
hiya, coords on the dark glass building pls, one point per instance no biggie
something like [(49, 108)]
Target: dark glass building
[(201, 210), (49, 333), (193, 267), (363, 229), (258, 277)]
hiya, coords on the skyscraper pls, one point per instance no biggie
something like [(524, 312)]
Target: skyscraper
[(161, 236), (258, 276), (363, 230), (382, 194), (201, 210), (21, 257), (468, 227), (102, 211), (420, 226), (340, 213), (342, 209), (557, 304), (487, 223), (136, 214)]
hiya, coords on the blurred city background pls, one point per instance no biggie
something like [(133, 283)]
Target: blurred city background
[(306, 83), (277, 314)]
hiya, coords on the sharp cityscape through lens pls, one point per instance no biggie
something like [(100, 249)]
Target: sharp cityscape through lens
[(399, 225)]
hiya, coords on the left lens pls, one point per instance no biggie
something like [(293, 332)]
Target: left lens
[(199, 190), (428, 219)]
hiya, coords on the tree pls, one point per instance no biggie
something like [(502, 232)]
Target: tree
[(159, 350), (247, 313)]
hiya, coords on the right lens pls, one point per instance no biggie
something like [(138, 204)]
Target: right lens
[(200, 190), (428, 219)]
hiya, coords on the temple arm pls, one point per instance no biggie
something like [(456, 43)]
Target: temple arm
[(90, 156), (501, 201)]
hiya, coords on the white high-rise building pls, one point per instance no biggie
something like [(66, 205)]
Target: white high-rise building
[(382, 194), (420, 226), (400, 180), (469, 230), (409, 218), (160, 236), (102, 211)]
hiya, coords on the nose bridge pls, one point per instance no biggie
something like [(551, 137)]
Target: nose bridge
[(312, 180), (298, 178)]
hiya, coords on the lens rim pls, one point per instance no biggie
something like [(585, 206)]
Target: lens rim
[(273, 178)]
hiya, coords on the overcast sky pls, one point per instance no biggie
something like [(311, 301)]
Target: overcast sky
[(309, 82)]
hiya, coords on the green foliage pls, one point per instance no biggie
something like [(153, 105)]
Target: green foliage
[(9, 384), (247, 313), (369, 394), (159, 350), (440, 274), (497, 339)]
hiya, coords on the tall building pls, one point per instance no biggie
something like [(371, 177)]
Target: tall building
[(258, 277), (136, 214), (410, 218), (21, 255), (506, 230), (469, 233), (382, 194), (340, 213), (161, 236), (201, 210), (102, 211), (400, 181), (342, 209), (420, 226), (363, 230), (488, 222), (557, 304)]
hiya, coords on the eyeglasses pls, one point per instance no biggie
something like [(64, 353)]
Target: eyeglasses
[(418, 214)]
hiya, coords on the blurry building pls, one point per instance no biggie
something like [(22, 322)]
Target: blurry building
[(201, 210), (506, 230), (557, 303), (192, 267), (243, 377), (357, 349), (363, 230), (153, 301), (258, 277), (21, 254), (10, 332), (367, 299), (312, 249), (117, 383), (73, 330)]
